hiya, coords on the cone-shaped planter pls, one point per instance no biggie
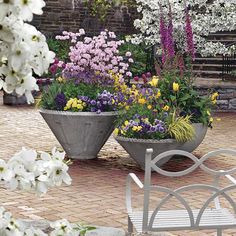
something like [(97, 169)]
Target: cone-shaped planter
[(81, 134), (137, 147)]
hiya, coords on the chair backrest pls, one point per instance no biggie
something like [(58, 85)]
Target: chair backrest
[(150, 164)]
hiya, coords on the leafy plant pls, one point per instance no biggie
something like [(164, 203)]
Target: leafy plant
[(181, 129), (139, 55)]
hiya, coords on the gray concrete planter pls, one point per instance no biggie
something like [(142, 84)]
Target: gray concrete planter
[(137, 147), (200, 130), (81, 134)]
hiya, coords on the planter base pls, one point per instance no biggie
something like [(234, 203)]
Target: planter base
[(81, 134)]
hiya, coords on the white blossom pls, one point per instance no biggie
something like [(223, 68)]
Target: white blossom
[(206, 18), (23, 46)]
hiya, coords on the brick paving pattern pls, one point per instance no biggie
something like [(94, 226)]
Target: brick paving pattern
[(97, 194)]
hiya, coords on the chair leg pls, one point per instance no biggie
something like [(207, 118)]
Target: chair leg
[(130, 226), (219, 232)]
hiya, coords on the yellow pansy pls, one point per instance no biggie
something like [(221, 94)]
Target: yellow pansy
[(149, 107), (158, 94), (166, 108), (74, 104), (211, 119), (126, 122), (213, 102), (116, 131), (141, 101), (126, 108), (134, 128), (175, 87)]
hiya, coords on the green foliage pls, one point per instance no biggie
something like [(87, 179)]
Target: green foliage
[(100, 8), (181, 129), (48, 96), (70, 90), (60, 47), (84, 228), (139, 55)]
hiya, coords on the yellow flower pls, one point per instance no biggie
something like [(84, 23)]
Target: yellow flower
[(211, 119), (135, 128), (208, 113), (175, 87), (139, 128), (126, 108), (213, 101), (123, 132), (74, 104), (80, 107), (158, 94), (141, 101), (61, 80), (116, 131), (214, 96), (166, 108), (126, 122), (149, 107), (97, 72), (154, 81)]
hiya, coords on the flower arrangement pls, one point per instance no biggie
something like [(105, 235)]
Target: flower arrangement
[(164, 108), (87, 80)]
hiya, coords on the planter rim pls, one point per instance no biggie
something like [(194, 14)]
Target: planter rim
[(136, 140), (70, 113)]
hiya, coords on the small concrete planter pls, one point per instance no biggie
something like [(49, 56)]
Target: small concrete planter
[(13, 99), (137, 147), (200, 130), (81, 134)]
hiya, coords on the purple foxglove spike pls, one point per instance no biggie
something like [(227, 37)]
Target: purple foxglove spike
[(189, 35)]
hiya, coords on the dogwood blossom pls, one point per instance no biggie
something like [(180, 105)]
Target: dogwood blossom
[(207, 17), (22, 46)]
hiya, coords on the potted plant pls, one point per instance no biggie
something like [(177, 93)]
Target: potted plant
[(81, 105), (165, 113)]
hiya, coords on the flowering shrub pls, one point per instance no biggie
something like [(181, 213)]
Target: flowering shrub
[(32, 171), (98, 56), (23, 49), (207, 17)]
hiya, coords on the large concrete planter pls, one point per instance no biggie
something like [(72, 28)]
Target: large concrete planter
[(81, 134), (137, 147)]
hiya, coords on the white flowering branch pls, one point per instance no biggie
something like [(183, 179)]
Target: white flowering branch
[(206, 18), (23, 49), (29, 170)]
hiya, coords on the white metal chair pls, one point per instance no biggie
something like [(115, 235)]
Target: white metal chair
[(157, 220)]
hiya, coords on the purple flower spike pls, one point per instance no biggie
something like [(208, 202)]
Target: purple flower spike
[(169, 36), (189, 35)]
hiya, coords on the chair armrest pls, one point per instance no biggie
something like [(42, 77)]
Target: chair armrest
[(232, 179), (131, 177)]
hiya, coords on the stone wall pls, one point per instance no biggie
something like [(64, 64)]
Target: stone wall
[(227, 93), (71, 15)]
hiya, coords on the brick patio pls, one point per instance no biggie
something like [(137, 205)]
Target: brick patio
[(96, 195)]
